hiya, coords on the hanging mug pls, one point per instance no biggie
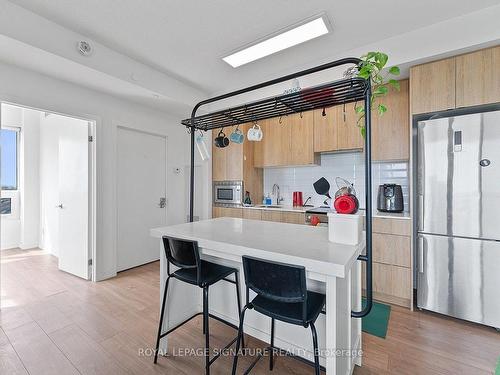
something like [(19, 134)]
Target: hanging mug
[(221, 140), (255, 133), (237, 136)]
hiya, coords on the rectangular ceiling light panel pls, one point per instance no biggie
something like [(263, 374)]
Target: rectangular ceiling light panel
[(284, 40)]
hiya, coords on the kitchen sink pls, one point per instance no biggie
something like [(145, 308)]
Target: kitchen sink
[(269, 206)]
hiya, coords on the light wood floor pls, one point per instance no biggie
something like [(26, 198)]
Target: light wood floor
[(54, 323)]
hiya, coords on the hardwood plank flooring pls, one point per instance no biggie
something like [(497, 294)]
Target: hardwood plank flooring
[(55, 323)]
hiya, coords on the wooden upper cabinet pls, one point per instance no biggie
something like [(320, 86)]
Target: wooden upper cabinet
[(273, 148), (391, 131), (349, 134), (478, 77), (218, 160), (285, 141), (227, 162), (433, 86), (325, 130), (338, 130), (301, 127)]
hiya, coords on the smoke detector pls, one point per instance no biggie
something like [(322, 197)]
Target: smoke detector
[(84, 48)]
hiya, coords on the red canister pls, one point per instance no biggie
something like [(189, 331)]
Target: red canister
[(297, 199)]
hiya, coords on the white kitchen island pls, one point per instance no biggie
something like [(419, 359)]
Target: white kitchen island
[(331, 268)]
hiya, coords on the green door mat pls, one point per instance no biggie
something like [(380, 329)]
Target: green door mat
[(497, 371), (376, 322)]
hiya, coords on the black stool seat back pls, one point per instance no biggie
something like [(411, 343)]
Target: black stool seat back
[(181, 253), (276, 281)]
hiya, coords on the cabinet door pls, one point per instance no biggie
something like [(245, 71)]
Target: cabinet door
[(234, 160), (251, 213), (226, 212), (388, 225), (349, 135), (325, 128), (301, 139), (478, 77), (274, 148), (433, 86), (391, 131), (391, 249), (271, 215), (218, 161), (293, 217)]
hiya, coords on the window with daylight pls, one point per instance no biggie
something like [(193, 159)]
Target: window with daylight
[(9, 159)]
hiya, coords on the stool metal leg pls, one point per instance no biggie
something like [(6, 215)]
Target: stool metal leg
[(271, 359), (207, 334), (316, 350), (160, 326), (240, 334), (238, 296), (204, 318)]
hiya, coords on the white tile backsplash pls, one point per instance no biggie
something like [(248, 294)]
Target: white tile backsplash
[(346, 165)]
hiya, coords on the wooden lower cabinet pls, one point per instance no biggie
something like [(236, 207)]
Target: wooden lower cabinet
[(293, 217), (253, 214), (389, 225), (227, 212), (392, 249), (392, 261), (271, 215)]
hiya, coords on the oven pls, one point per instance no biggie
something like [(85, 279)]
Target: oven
[(228, 193), (318, 212)]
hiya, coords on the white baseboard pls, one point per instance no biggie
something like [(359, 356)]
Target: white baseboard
[(28, 246)]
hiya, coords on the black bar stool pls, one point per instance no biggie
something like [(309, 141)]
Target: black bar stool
[(281, 295), (185, 254)]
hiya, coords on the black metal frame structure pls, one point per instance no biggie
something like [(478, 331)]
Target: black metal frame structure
[(338, 92)]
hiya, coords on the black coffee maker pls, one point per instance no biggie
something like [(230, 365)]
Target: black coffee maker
[(390, 198)]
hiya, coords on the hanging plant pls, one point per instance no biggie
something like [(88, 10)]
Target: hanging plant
[(371, 68)]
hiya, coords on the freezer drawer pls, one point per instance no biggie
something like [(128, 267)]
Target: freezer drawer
[(459, 277)]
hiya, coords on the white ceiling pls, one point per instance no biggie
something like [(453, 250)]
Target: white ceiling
[(186, 39)]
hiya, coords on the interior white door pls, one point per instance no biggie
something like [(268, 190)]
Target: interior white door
[(141, 195), (73, 161)]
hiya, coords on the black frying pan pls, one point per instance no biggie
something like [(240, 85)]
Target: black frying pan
[(322, 187)]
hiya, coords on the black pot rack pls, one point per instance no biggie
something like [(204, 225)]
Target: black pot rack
[(338, 92)]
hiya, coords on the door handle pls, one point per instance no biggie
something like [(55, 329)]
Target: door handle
[(60, 206), (420, 212), (421, 249), (163, 203)]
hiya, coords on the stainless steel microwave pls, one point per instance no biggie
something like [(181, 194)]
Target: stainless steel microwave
[(228, 192)]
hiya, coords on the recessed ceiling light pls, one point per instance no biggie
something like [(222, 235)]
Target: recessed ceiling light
[(301, 33)]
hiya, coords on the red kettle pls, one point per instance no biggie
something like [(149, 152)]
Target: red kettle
[(345, 198)]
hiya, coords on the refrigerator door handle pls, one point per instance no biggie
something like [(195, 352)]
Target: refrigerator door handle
[(421, 249), (420, 212)]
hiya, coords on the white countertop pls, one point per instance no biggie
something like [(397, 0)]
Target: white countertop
[(288, 243)]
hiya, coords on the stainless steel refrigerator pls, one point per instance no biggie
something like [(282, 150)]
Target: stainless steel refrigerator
[(458, 223)]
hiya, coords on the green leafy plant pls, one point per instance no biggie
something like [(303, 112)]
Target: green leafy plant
[(371, 68)]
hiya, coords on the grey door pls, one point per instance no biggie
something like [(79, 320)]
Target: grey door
[(459, 277), (459, 175)]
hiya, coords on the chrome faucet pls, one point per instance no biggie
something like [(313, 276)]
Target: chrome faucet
[(276, 191)]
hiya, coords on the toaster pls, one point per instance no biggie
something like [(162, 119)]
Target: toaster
[(390, 198)]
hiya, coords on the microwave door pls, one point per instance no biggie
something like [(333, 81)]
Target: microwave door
[(225, 195)]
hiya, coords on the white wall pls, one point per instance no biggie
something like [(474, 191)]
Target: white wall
[(30, 179), (22, 230), (39, 91)]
